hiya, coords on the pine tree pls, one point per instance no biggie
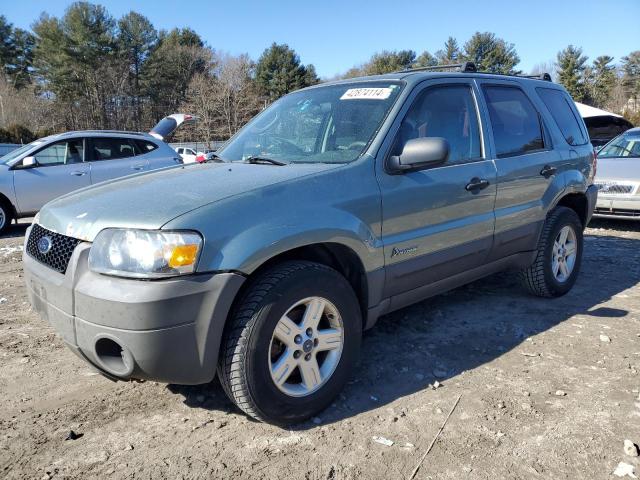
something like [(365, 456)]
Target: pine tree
[(631, 75), (602, 80), (425, 60), (450, 53), (571, 69), (279, 72), (389, 61), (490, 53)]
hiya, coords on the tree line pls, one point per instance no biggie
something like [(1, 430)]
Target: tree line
[(90, 70)]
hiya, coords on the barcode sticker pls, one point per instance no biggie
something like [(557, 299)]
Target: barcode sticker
[(366, 94)]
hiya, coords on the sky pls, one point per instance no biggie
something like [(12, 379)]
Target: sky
[(336, 35)]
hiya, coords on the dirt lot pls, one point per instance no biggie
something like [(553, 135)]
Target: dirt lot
[(550, 389)]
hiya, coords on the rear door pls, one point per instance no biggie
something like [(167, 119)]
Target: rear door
[(114, 157), (157, 156), (526, 164), (59, 169), (438, 222)]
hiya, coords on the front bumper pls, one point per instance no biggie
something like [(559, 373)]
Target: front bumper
[(618, 206), (166, 330)]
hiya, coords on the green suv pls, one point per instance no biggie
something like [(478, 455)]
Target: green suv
[(337, 204)]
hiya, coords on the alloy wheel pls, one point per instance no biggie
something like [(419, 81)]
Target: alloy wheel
[(306, 346), (564, 254)]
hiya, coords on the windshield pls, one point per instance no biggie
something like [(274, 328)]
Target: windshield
[(13, 154), (332, 124), (624, 146)]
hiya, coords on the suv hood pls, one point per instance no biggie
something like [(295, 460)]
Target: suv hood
[(150, 200), (618, 169)]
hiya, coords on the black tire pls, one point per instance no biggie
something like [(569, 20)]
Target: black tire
[(6, 213), (538, 278), (244, 369)]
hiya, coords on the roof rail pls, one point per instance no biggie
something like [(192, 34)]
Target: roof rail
[(541, 76), (461, 67), (470, 67)]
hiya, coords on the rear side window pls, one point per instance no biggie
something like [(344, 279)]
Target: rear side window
[(144, 146), (107, 148), (558, 104), (514, 120)]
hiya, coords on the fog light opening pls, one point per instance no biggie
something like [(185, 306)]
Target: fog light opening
[(112, 356)]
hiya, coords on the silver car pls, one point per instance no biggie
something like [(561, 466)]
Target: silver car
[(53, 166), (618, 177)]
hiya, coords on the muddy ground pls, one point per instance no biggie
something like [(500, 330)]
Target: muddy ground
[(544, 394)]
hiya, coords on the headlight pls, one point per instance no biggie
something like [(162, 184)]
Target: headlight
[(144, 253)]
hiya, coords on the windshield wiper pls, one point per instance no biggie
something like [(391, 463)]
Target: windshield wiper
[(255, 159), (214, 158)]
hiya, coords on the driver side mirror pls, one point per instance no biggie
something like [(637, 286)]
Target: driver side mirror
[(420, 154), (28, 162)]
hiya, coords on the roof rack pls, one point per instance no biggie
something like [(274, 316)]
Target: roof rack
[(460, 67), (470, 67), (541, 76)]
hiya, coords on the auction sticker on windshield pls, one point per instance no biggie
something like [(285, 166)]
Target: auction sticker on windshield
[(366, 94)]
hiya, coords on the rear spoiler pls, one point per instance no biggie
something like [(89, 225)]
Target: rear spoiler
[(169, 124)]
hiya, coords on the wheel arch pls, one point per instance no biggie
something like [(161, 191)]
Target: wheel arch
[(4, 200), (577, 202), (338, 256)]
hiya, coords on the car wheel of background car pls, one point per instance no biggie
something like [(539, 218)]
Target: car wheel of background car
[(6, 216), (291, 343), (557, 263)]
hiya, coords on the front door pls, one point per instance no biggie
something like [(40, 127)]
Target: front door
[(59, 169), (438, 222), (113, 157)]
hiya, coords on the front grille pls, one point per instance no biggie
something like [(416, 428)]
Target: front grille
[(614, 188), (621, 212), (61, 248)]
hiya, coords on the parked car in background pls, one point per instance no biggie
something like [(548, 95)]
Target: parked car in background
[(602, 125), (189, 155), (618, 177), (36, 173), (335, 205)]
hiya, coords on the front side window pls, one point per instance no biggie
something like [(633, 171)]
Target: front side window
[(514, 120), (624, 146), (556, 102), (330, 124), (448, 112), (106, 148), (61, 153)]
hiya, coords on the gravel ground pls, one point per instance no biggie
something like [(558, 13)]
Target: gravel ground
[(550, 389)]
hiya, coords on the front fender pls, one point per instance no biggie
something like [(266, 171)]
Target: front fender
[(245, 249), (251, 248)]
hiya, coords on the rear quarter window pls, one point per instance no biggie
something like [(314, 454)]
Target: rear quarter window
[(144, 146), (558, 104)]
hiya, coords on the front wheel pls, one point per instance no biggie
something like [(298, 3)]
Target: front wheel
[(291, 342), (559, 255)]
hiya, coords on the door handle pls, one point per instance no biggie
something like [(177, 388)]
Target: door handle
[(137, 167), (548, 170), (476, 184), (79, 173)]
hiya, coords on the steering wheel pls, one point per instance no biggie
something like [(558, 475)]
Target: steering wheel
[(357, 145), (284, 146)]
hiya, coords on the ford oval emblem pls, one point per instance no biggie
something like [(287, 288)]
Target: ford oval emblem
[(44, 245)]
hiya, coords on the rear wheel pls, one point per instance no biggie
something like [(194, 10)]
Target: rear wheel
[(559, 256), (6, 216), (291, 343)]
